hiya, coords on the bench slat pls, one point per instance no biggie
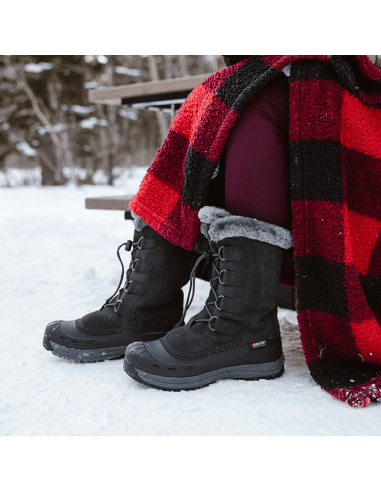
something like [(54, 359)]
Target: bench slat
[(162, 89), (109, 203)]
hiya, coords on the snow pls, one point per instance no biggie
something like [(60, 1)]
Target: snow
[(89, 123), (128, 113), (25, 148), (58, 261), (59, 127), (82, 109), (19, 177), (32, 177), (91, 84), (133, 72), (38, 67)]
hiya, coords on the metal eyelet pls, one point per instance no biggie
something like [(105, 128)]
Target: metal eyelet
[(216, 302), (219, 278), (219, 254), (140, 240), (116, 306), (126, 286), (213, 317), (133, 265)]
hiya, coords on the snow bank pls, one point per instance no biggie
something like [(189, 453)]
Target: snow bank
[(128, 178), (58, 261)]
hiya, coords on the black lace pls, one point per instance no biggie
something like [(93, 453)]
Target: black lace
[(208, 257), (129, 245)]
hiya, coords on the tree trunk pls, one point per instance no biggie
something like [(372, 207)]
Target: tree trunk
[(161, 117), (214, 63), (183, 65), (68, 140), (112, 126), (47, 157), (112, 141), (168, 67)]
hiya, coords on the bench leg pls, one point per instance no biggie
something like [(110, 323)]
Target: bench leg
[(128, 216)]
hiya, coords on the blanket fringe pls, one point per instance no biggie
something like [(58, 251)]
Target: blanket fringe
[(360, 396)]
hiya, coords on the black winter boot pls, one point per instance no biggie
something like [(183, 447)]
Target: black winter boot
[(236, 335), (146, 308)]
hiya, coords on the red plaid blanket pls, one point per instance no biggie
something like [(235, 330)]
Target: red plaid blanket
[(335, 159)]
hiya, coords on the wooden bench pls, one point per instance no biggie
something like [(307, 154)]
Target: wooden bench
[(163, 94), (166, 95)]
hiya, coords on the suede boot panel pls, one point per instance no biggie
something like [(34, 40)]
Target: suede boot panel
[(269, 269), (184, 340), (250, 313), (154, 299), (166, 315), (177, 275), (97, 323)]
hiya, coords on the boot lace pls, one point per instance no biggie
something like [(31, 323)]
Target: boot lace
[(129, 246), (208, 257)]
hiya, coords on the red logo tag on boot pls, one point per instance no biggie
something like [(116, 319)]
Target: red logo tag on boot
[(258, 344)]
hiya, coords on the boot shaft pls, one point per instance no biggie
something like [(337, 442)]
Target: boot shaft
[(152, 294), (244, 288), (159, 269), (248, 256)]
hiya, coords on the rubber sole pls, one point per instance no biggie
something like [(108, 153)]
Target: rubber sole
[(253, 372), (93, 355)]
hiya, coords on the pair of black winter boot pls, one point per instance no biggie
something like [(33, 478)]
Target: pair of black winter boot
[(236, 334)]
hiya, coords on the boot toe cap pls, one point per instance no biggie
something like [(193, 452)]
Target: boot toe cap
[(152, 357), (69, 334), (51, 334), (64, 333), (64, 340), (137, 354)]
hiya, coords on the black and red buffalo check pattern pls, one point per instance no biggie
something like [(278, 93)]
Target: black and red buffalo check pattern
[(335, 161)]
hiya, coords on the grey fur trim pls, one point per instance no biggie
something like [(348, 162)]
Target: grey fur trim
[(208, 215), (139, 224), (236, 226)]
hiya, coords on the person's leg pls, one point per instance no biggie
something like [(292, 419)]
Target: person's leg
[(257, 168), (236, 335), (256, 158)]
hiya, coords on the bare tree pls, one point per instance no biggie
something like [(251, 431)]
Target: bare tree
[(48, 107), (161, 117), (42, 115), (169, 68), (183, 65)]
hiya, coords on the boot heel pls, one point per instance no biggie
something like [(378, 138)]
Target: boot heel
[(253, 372)]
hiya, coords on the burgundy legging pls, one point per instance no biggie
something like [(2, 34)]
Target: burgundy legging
[(257, 181)]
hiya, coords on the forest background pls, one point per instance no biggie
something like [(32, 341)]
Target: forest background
[(49, 129)]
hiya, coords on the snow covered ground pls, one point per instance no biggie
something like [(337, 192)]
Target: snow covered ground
[(58, 261)]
